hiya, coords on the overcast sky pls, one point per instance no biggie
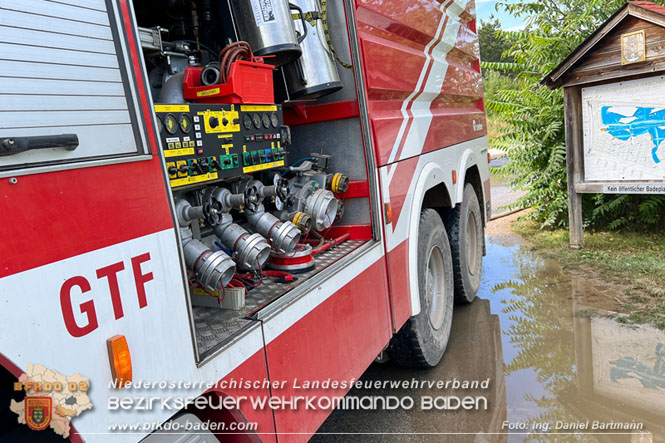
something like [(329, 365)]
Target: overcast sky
[(488, 7)]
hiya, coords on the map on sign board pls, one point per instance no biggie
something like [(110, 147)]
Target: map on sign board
[(628, 123), (624, 131)]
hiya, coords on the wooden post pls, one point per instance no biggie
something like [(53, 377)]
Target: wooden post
[(574, 147)]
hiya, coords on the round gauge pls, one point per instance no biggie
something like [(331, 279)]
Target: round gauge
[(256, 118), (160, 124), (185, 122), (274, 119), (266, 120), (247, 122), (171, 123)]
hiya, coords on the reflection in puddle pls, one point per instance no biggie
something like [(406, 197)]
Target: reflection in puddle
[(550, 363), (564, 368)]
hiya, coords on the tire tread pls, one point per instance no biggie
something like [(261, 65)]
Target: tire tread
[(453, 221), (405, 347)]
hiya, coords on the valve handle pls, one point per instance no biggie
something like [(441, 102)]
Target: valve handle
[(197, 167), (252, 200), (212, 211), (283, 190)]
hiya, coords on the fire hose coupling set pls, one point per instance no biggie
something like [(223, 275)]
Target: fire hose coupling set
[(312, 193), (302, 204), (213, 270), (282, 235)]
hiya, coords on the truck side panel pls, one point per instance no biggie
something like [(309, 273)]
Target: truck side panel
[(254, 370), (423, 79), (421, 174), (425, 95), (337, 340)]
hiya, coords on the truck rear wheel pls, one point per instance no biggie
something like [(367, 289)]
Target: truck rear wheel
[(422, 341), (466, 232)]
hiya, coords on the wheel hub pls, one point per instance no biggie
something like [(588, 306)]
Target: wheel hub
[(435, 287), (472, 243)]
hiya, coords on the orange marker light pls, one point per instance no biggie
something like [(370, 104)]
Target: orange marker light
[(454, 177), (489, 157), (121, 361), (389, 213)]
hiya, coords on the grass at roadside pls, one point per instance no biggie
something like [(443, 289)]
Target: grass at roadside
[(635, 260)]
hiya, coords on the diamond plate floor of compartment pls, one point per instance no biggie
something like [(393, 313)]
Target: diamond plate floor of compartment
[(215, 326)]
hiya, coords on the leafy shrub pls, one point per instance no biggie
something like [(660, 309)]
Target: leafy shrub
[(534, 135), (494, 82)]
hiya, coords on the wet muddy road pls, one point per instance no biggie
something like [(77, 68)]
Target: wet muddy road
[(550, 363), (502, 194)]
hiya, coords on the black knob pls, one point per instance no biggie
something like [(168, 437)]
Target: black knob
[(184, 168), (283, 189), (172, 170), (227, 161), (215, 164), (225, 121), (197, 167), (214, 122)]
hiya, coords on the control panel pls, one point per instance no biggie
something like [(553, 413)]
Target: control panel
[(206, 142)]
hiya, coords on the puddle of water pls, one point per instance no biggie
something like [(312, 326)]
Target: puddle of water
[(548, 361), (563, 365)]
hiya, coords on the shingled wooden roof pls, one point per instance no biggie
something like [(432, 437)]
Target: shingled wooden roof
[(642, 10), (650, 6)]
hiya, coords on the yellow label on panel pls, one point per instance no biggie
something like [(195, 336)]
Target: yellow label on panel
[(226, 148), (201, 291), (272, 145), (193, 179), (171, 108), (246, 108), (179, 152), (263, 166), (213, 91), (179, 164), (230, 117), (225, 136), (168, 165)]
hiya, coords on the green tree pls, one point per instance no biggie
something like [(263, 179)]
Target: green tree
[(492, 45), (492, 49), (534, 136)]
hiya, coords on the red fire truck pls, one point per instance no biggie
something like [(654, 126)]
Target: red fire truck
[(235, 191)]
